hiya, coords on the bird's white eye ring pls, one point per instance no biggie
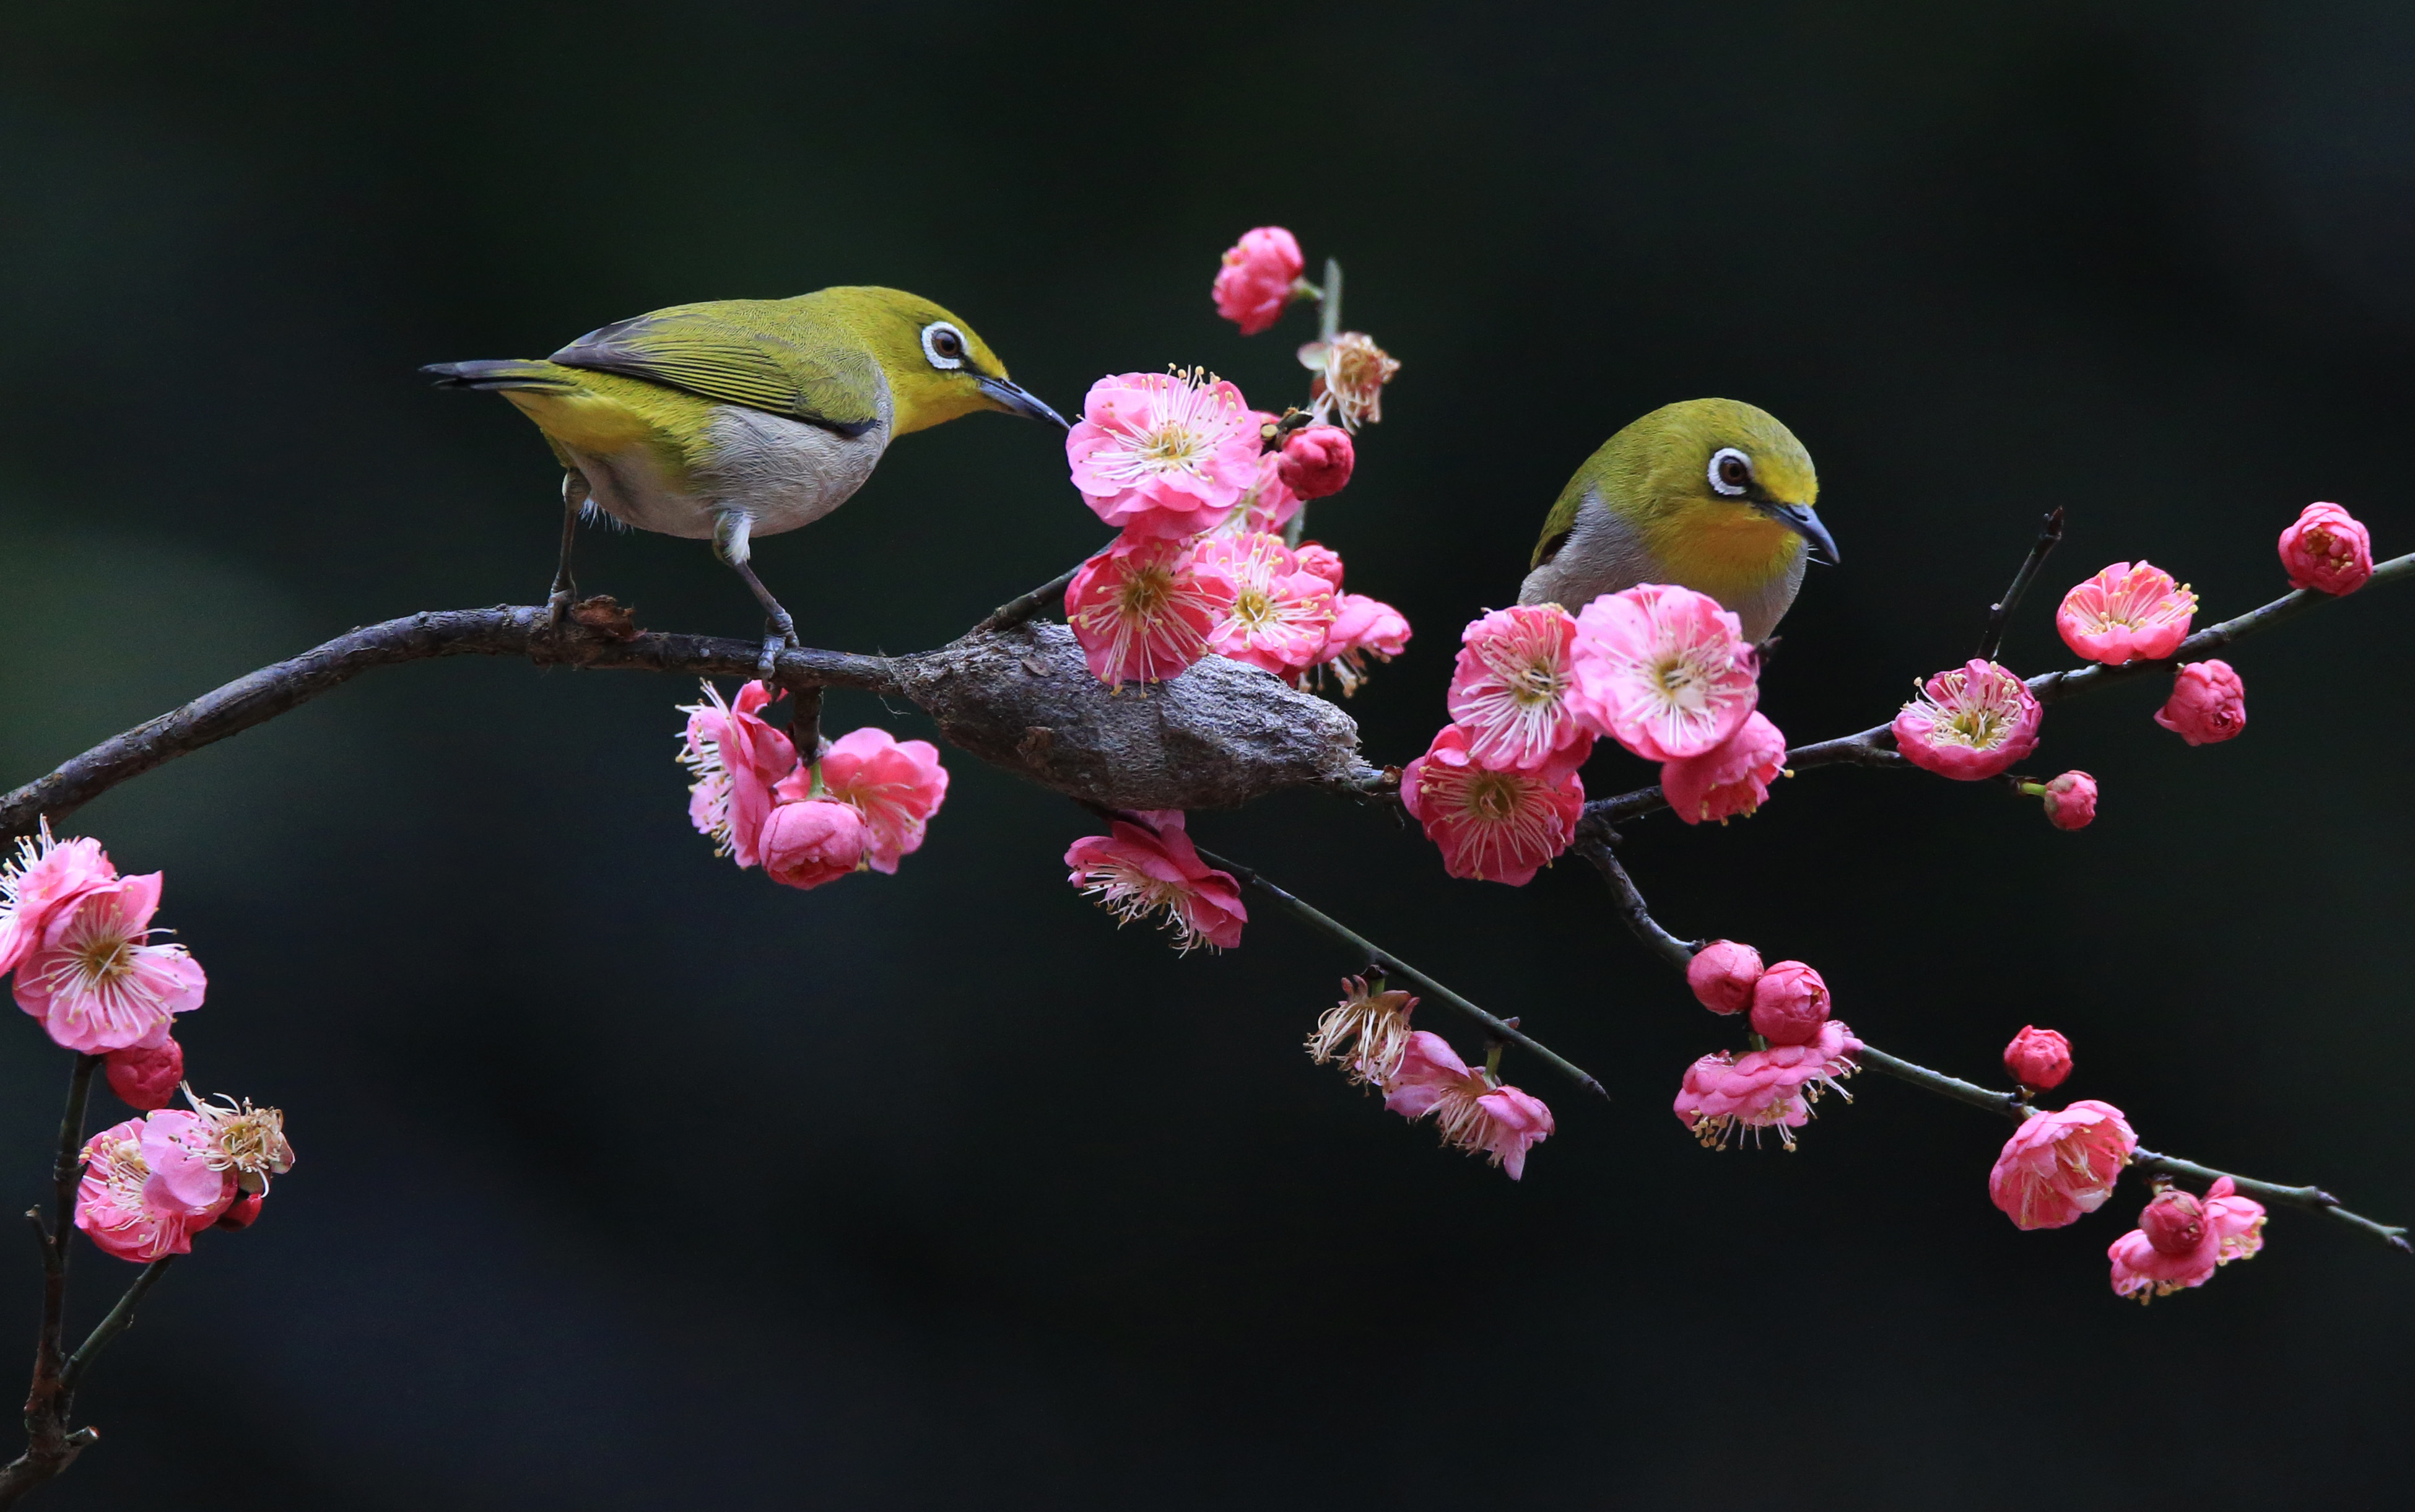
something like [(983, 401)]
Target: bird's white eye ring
[(1730, 471), (944, 345)]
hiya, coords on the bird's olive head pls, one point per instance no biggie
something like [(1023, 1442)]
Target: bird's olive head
[(1725, 478), (937, 368)]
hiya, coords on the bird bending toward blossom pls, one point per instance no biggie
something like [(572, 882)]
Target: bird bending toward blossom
[(1709, 494), (744, 417)]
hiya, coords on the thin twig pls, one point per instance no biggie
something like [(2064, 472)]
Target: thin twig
[(1630, 902), (50, 1448), (2007, 1103), (2313, 1199), (1368, 949), (120, 1318), (1024, 605), (1874, 747), (2001, 612)]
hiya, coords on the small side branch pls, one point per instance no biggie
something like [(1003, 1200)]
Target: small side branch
[(1024, 605), (1498, 1027), (2313, 1199), (2001, 612), (120, 1318)]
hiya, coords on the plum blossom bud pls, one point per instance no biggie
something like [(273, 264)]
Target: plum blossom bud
[(2038, 1058), (1323, 561), (2174, 1222), (2070, 799), (1722, 975), (822, 840), (243, 1212), (1256, 281), (1789, 1002), (1316, 460), (2208, 704), (147, 1076), (2329, 549)]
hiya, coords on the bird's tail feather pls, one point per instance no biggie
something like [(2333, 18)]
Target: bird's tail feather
[(503, 373)]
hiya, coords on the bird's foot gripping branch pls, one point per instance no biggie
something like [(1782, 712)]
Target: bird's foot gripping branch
[(1187, 676)]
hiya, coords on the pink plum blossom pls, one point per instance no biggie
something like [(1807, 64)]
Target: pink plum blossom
[(1140, 868), (2070, 799), (1275, 615), (1472, 1111), (1731, 778), (1663, 670), (1511, 691), (1789, 1003), (1970, 722), (1351, 371), (1256, 281), (1362, 627), (896, 785), (1316, 460), (817, 841), (1775, 1088), (1141, 612), (94, 978), (136, 1215), (147, 1076), (43, 875), (246, 1145), (2208, 703), (2327, 549), (736, 759), (1367, 1031), (2038, 1058), (1163, 455), (1491, 826), (2126, 613), (2060, 1165), (2181, 1240), (1722, 975)]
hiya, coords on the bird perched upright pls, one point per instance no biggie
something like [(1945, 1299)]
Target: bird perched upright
[(1709, 494), (744, 417)]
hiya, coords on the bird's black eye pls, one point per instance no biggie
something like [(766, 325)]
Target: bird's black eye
[(943, 344), (1730, 471)]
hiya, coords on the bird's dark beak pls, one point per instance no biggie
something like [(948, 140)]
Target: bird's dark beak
[(1015, 399), (1803, 522)]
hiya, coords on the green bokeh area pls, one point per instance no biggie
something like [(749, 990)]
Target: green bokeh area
[(630, 1180)]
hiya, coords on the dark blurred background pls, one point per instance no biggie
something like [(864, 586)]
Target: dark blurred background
[(630, 1180)]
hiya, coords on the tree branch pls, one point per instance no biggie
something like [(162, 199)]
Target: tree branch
[(1218, 736), (1024, 605), (1368, 949), (50, 1448), (120, 1318)]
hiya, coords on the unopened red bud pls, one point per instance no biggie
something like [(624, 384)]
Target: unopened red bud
[(2071, 800), (2038, 1058), (1722, 975), (2174, 1222), (2208, 704), (1316, 461), (1789, 1002), (147, 1077), (242, 1212)]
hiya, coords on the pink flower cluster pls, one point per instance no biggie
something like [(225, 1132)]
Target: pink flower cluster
[(1663, 670), (1802, 1052), (864, 801), (2182, 1240), (1147, 865), (1174, 461), (78, 937), (151, 1183)]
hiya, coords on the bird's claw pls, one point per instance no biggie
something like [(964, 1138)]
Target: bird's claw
[(557, 607)]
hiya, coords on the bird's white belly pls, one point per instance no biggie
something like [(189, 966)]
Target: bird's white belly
[(779, 474)]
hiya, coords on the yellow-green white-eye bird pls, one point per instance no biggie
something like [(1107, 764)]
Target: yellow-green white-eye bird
[(744, 417), (1710, 494)]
